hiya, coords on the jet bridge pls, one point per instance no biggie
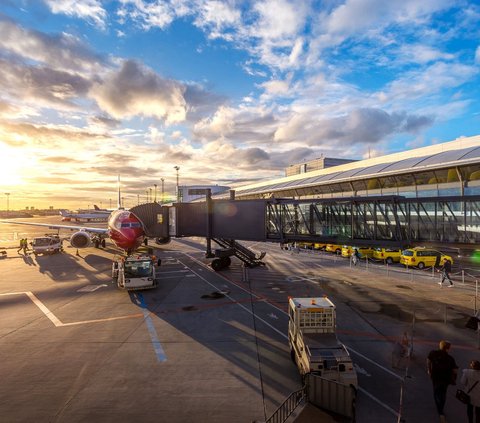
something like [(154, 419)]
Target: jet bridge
[(393, 221)]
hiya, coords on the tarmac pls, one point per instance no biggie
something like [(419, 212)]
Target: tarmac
[(211, 347)]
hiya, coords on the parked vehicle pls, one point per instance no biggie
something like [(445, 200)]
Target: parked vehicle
[(48, 244), (422, 257), (387, 255), (334, 248), (314, 345), (347, 251)]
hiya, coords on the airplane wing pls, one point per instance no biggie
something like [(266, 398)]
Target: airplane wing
[(53, 226)]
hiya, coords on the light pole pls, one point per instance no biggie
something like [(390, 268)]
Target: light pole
[(8, 202), (163, 191), (150, 189), (146, 192), (177, 168), (155, 198), (138, 199)]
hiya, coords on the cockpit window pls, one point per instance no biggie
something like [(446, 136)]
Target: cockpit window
[(130, 225)]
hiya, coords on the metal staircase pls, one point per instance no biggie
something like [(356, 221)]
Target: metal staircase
[(245, 254)]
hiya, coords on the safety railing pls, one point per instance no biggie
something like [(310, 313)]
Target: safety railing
[(282, 413)]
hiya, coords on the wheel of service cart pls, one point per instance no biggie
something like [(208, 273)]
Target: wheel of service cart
[(389, 260), (97, 243), (338, 251), (217, 265), (227, 261), (103, 243), (56, 250), (421, 265)]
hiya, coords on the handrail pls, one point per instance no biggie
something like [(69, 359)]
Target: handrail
[(283, 412)]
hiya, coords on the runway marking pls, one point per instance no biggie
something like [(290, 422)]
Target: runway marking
[(375, 363), (157, 347), (56, 321), (395, 413), (90, 288)]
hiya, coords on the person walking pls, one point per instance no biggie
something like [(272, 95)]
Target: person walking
[(442, 369), (355, 257), (446, 269), (471, 383), (25, 246), (20, 247)]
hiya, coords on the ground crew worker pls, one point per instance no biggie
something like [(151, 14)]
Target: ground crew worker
[(25, 246), (20, 248)]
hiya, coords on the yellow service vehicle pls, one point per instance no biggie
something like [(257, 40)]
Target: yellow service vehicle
[(388, 255), (314, 345), (422, 257)]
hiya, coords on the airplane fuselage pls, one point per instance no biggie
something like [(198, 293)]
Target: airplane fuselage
[(125, 230)]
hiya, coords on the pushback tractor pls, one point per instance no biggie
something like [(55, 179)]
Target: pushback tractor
[(135, 272)]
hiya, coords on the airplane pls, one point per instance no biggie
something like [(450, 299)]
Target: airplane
[(124, 229), (97, 214)]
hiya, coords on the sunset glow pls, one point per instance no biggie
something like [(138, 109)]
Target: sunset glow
[(231, 92)]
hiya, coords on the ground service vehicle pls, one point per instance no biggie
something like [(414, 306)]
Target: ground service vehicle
[(423, 257), (134, 272), (314, 345), (48, 244), (388, 255)]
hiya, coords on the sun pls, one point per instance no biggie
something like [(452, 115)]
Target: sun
[(11, 166)]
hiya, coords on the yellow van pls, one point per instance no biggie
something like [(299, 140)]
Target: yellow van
[(423, 257), (333, 248), (388, 255), (347, 251)]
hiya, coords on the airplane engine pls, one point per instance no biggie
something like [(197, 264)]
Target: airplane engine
[(80, 240)]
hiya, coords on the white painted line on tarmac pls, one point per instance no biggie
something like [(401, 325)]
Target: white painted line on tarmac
[(395, 413), (44, 309), (203, 268), (376, 364), (56, 321), (242, 306), (91, 288)]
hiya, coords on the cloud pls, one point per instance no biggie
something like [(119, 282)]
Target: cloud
[(477, 55), (243, 125), (365, 125), (58, 159), (48, 136), (135, 90), (150, 14), (34, 84), (420, 53), (61, 51), (90, 10)]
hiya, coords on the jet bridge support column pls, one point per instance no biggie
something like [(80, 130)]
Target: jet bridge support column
[(208, 204)]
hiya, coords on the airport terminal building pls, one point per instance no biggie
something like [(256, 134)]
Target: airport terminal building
[(447, 169), (416, 197)]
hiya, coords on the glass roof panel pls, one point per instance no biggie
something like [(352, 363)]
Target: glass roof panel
[(472, 153), (372, 170), (405, 164), (447, 156)]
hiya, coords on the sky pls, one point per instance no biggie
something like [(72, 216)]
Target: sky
[(231, 92)]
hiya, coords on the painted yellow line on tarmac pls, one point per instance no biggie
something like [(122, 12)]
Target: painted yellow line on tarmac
[(56, 321)]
